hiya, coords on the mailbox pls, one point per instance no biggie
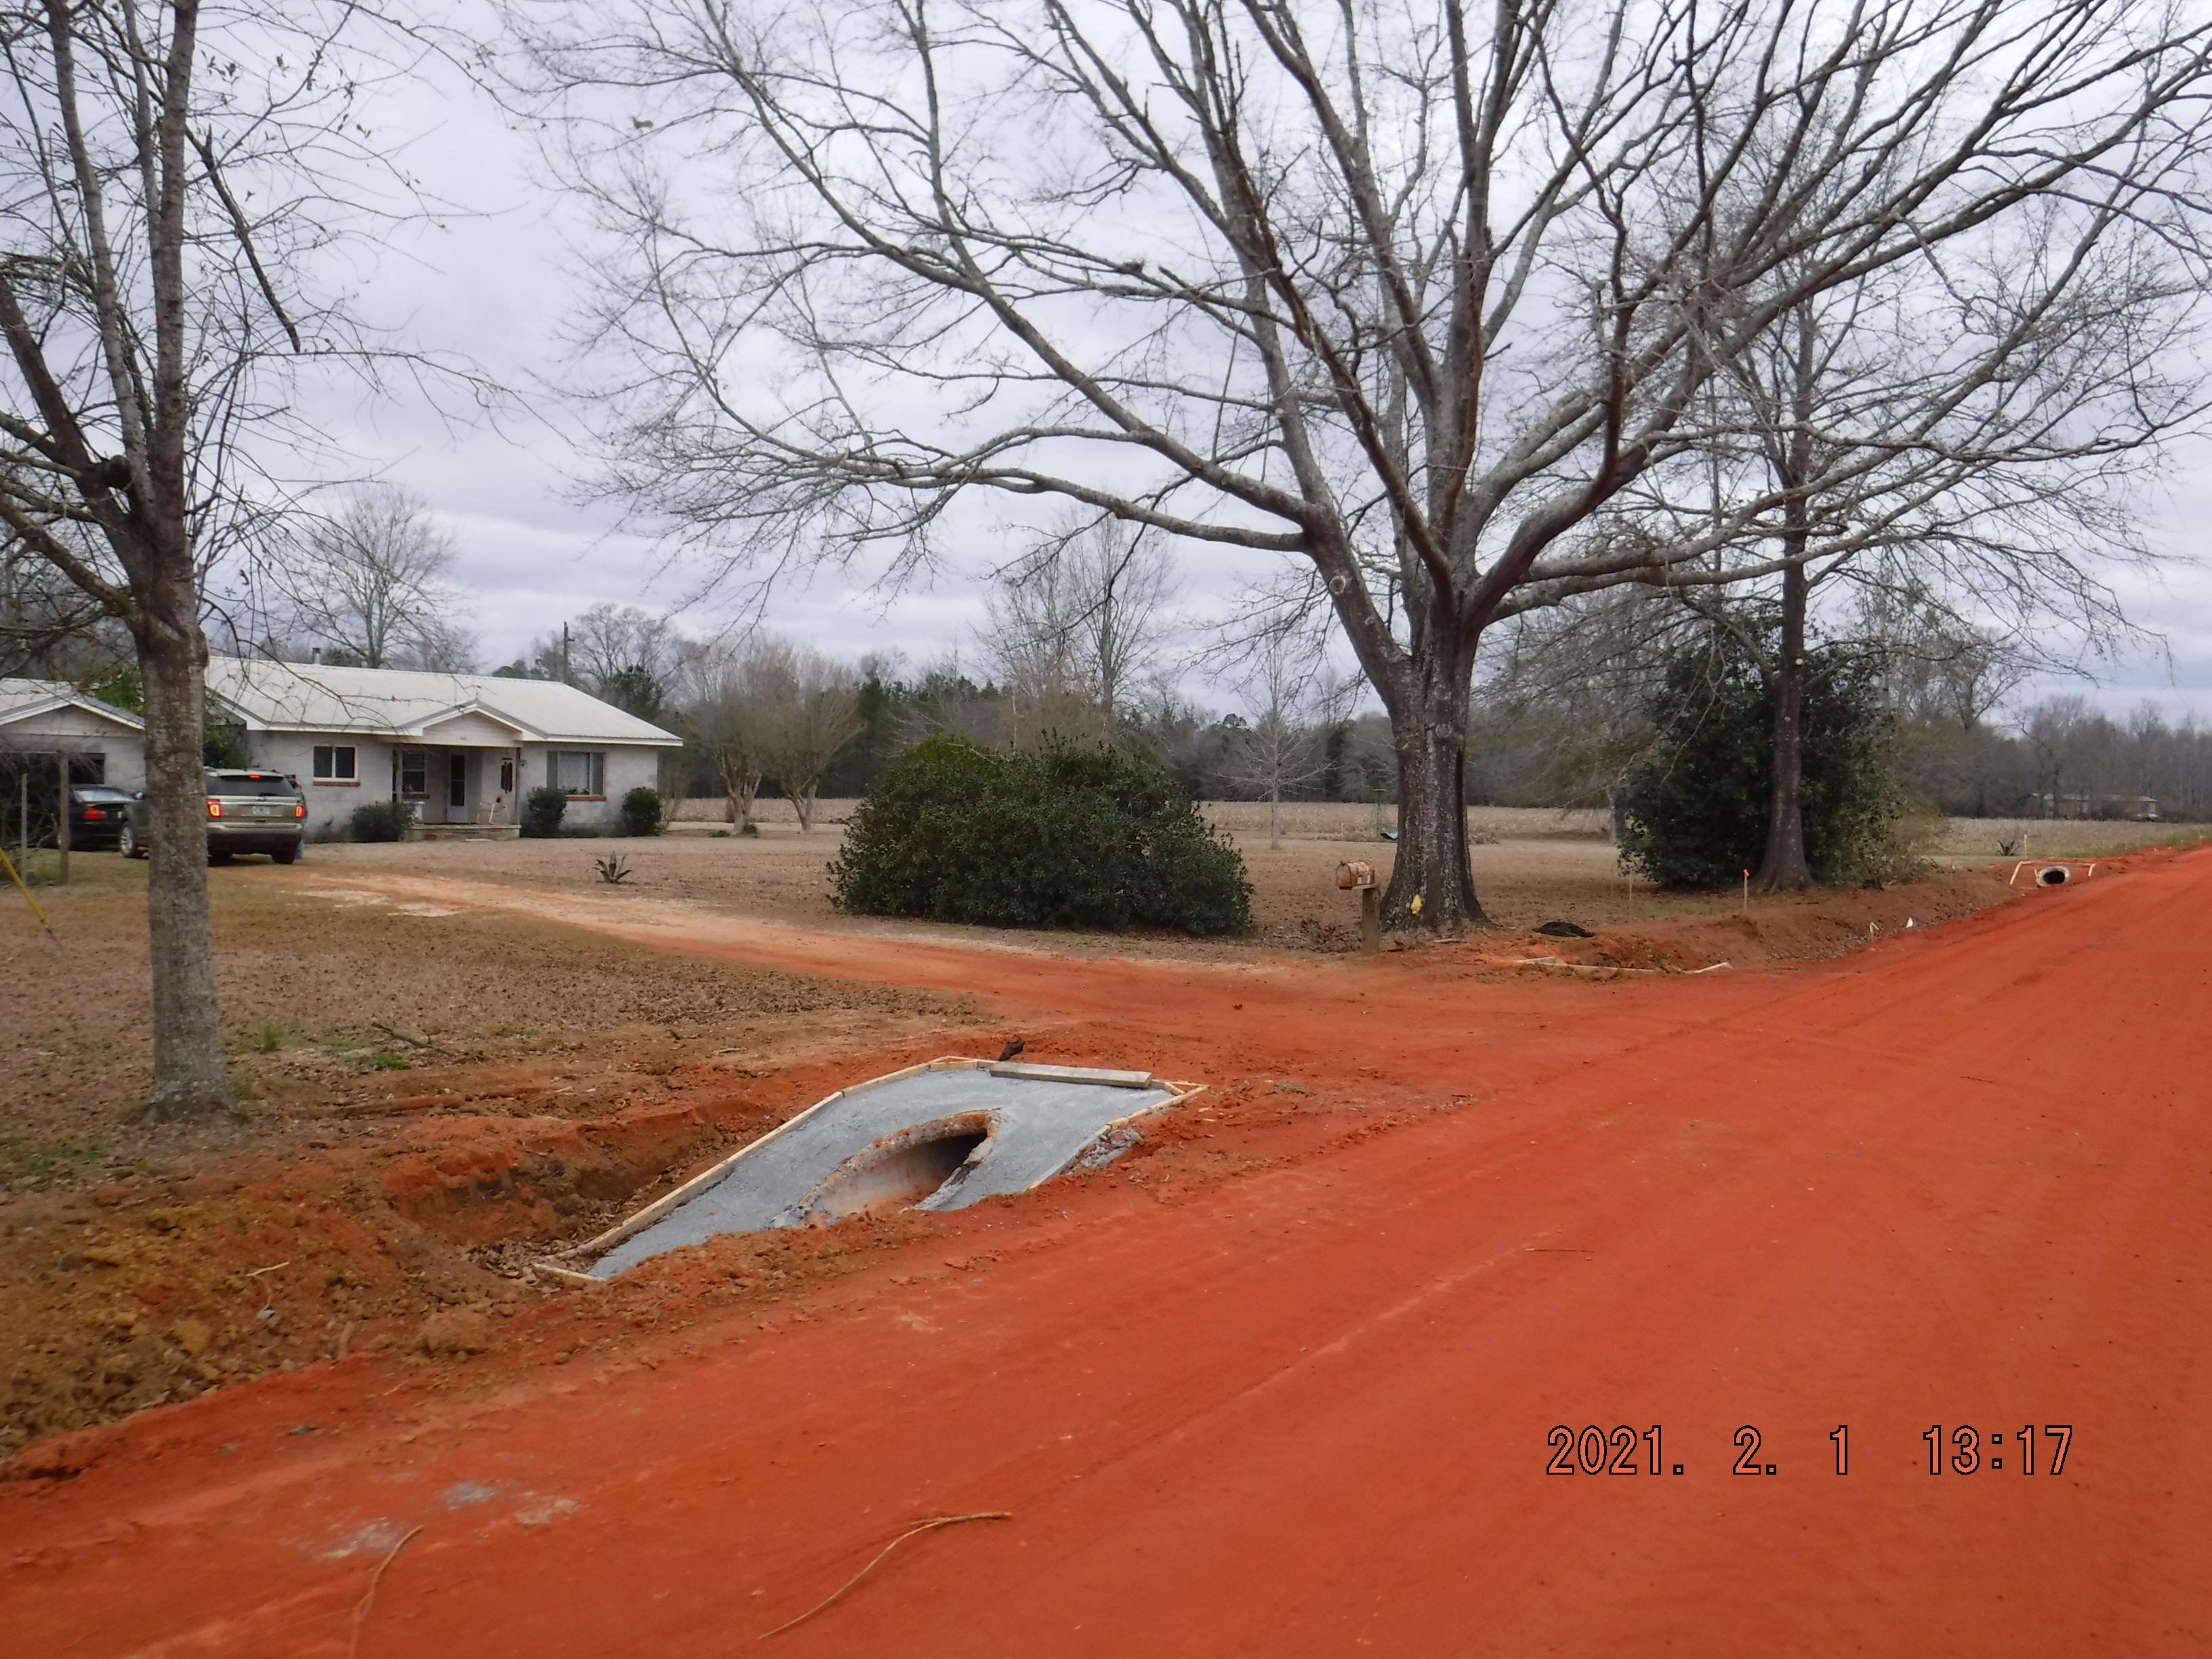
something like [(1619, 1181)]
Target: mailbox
[(1358, 872)]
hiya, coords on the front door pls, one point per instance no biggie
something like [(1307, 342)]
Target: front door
[(457, 782)]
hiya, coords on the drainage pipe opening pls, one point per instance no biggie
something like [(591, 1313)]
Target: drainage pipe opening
[(2053, 875), (900, 1171)]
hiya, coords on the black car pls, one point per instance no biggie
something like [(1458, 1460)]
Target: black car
[(96, 816), (246, 812)]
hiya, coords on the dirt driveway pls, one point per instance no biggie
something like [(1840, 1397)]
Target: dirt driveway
[(1293, 1382)]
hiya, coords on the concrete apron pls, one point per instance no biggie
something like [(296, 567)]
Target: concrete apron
[(934, 1137)]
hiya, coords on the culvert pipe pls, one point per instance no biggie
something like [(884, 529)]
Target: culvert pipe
[(2053, 875), (938, 1136)]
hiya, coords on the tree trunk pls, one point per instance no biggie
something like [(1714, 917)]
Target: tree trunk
[(190, 1080), (802, 803), (1274, 817), (1429, 730), (740, 783), (1784, 868)]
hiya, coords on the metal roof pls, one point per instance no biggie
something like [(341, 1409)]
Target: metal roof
[(23, 700), (405, 702)]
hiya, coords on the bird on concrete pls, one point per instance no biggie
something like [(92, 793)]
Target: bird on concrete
[(1010, 1051)]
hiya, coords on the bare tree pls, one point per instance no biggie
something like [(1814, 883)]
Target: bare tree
[(1565, 711), (722, 688), (1077, 624), (153, 220), (812, 708), (1030, 647), (610, 644), (1292, 699), (368, 581), (1937, 665), (1407, 294), (45, 618), (1970, 441)]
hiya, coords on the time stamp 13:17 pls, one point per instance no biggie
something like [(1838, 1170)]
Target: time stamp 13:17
[(1963, 1449)]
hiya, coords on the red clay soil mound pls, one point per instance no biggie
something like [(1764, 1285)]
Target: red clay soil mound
[(1809, 926), (143, 1293)]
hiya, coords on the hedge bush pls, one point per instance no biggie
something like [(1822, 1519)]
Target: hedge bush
[(1696, 810), (541, 812), (1067, 836), (641, 812), (381, 820)]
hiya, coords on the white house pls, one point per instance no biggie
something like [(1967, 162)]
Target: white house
[(464, 749), (39, 719)]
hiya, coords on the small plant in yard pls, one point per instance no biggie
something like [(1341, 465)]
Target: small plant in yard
[(270, 1037), (381, 820), (613, 869), (642, 811), (541, 810), (388, 1061)]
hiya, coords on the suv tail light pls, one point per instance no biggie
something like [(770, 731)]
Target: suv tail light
[(215, 809), (299, 809)]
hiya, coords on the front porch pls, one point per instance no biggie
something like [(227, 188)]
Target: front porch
[(460, 791)]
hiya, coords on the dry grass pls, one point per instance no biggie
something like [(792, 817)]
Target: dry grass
[(1980, 841), (313, 989), (1302, 820)]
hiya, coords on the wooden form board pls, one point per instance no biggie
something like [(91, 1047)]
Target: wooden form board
[(592, 1248)]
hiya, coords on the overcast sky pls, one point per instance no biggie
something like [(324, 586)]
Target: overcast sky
[(497, 284)]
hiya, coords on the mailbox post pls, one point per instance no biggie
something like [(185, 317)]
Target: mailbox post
[(1359, 874)]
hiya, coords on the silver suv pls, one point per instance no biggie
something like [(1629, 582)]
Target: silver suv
[(246, 812)]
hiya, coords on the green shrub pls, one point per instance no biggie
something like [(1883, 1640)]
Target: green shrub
[(542, 809), (641, 812), (381, 820), (1067, 836), (1696, 811)]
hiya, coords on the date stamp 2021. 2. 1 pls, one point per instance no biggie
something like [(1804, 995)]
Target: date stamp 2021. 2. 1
[(1958, 1450)]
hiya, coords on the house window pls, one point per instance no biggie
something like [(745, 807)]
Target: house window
[(507, 776), (336, 764), (577, 771), (414, 774)]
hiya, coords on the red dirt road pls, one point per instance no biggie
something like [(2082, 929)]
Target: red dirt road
[(1959, 1179)]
